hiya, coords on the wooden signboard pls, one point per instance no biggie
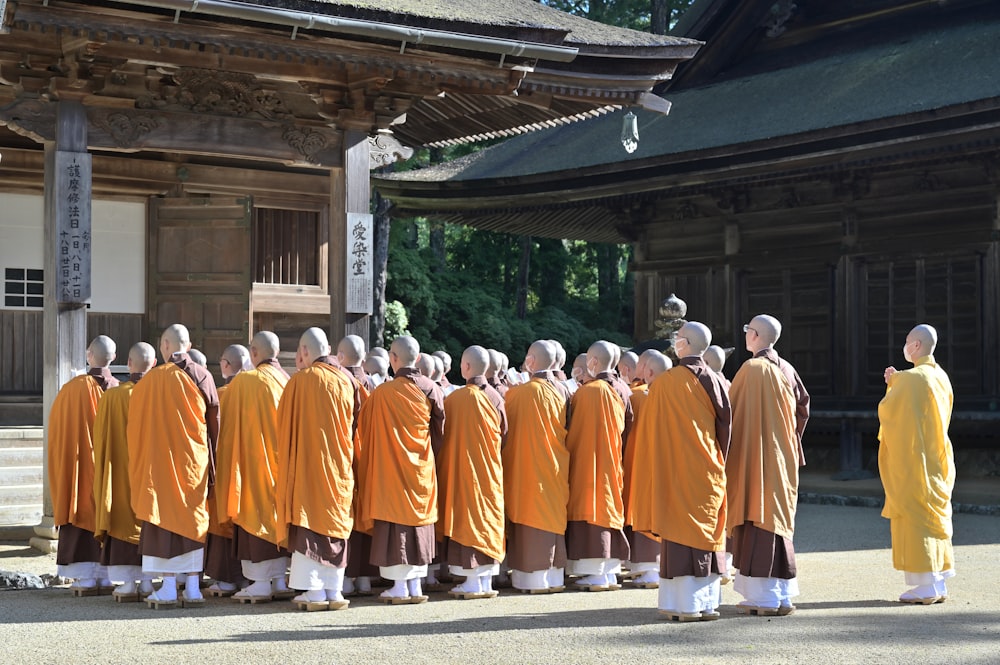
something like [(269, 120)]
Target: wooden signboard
[(73, 231), (360, 248)]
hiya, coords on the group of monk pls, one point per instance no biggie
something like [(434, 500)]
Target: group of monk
[(309, 487)]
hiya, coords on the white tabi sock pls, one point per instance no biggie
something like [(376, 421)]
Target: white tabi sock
[(413, 586), (348, 585), (192, 587), (167, 591), (399, 590), (363, 584), (486, 582)]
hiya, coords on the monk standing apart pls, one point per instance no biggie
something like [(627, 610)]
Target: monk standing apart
[(602, 413), (248, 470), (917, 466), (173, 427), (770, 410), (116, 525), (470, 477), (401, 428), (71, 470), (682, 442), (315, 479), (536, 476)]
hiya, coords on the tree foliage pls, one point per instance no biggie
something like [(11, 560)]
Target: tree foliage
[(648, 15)]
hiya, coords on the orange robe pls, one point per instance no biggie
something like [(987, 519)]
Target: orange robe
[(680, 473), (470, 473), (764, 459), (169, 456), (315, 482), (535, 459), (594, 442), (247, 458), (630, 491), (112, 490), (71, 452), (399, 484)]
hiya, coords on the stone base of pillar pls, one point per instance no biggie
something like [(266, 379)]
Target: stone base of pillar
[(46, 538)]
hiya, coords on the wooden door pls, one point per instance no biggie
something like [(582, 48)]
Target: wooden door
[(199, 270)]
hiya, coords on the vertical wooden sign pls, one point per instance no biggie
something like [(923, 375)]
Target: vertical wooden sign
[(72, 185), (360, 251)]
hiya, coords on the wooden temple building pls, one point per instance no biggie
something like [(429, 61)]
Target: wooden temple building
[(208, 162), (835, 163)]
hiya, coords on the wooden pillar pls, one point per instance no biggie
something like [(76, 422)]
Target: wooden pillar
[(67, 275), (351, 241)]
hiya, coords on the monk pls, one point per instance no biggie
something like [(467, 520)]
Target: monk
[(316, 416), (602, 412), (770, 410), (917, 466), (401, 426), (359, 572), (715, 358), (173, 428), (470, 479), (221, 563), (116, 525), (560, 361), (536, 476), (71, 470), (247, 470), (681, 444), (579, 374), (644, 549)]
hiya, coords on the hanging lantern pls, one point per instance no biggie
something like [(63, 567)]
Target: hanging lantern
[(630, 132)]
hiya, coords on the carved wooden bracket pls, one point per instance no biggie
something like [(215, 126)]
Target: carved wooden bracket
[(385, 149)]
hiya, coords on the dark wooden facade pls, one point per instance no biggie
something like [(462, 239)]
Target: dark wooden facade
[(835, 164)]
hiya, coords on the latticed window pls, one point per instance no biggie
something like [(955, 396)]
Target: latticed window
[(23, 287), (286, 246)]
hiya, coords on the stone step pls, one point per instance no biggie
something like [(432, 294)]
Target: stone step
[(21, 495), (20, 437), (28, 412), (15, 476), (17, 515), (21, 457)]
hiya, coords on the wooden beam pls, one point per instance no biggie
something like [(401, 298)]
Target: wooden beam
[(65, 323)]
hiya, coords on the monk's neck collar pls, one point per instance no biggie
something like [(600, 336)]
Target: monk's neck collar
[(478, 381), (135, 376), (607, 376), (408, 371), (328, 360), (693, 361), (100, 371)]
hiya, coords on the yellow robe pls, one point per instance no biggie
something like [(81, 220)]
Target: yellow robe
[(168, 452), (470, 473), (629, 491), (112, 490), (763, 465), (679, 485), (247, 454), (535, 459), (315, 481), (594, 441), (917, 466), (71, 452), (400, 481)]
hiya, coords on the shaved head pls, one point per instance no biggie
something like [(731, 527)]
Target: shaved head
[(475, 360), (627, 365), (698, 338), (768, 327), (351, 351), (141, 358), (438, 365), (425, 363), (101, 351), (376, 366), (175, 339), (921, 342), (601, 357), (237, 359), (655, 364), (198, 357), (560, 353), (491, 371), (715, 357), (264, 346), (445, 359), (579, 370), (313, 344), (541, 354), (404, 352)]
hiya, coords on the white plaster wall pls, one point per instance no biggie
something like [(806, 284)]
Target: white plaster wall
[(118, 279)]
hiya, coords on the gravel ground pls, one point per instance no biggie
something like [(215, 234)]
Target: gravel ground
[(847, 614)]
